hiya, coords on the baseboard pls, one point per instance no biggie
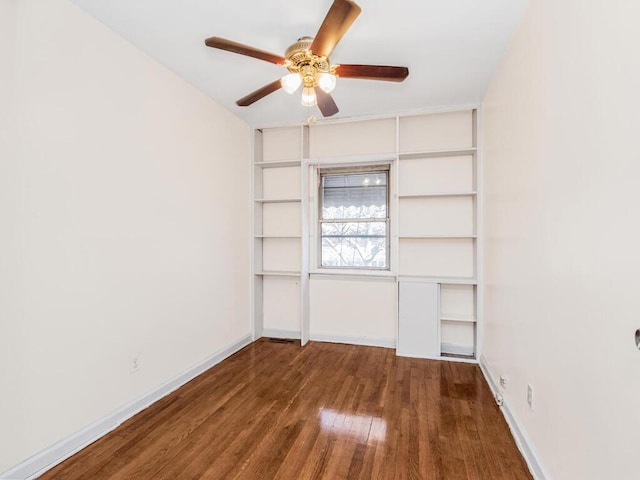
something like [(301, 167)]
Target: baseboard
[(440, 358), (38, 464), (367, 341), (522, 440), (278, 333), (452, 349)]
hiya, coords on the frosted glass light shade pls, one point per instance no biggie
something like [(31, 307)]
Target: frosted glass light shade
[(291, 82), (327, 82), (308, 97)]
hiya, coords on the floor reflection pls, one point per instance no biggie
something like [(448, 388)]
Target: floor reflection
[(364, 428)]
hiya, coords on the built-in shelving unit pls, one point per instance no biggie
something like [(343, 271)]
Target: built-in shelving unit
[(434, 207), (279, 251), (437, 216)]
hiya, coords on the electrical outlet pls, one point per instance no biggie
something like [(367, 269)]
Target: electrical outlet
[(530, 396), (134, 363), (503, 381)]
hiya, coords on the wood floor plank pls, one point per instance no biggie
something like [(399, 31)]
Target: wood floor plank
[(323, 411)]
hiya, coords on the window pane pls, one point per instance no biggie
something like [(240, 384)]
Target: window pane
[(368, 252), (358, 195), (354, 229), (348, 197), (354, 244)]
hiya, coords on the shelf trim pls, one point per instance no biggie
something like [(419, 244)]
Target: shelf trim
[(438, 279), (277, 236), (457, 318), (429, 237), (278, 164), (278, 200), (274, 273), (449, 152), (437, 194)]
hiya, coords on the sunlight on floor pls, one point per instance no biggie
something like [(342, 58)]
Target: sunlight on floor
[(365, 428)]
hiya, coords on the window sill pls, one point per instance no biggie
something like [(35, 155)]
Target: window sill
[(384, 275)]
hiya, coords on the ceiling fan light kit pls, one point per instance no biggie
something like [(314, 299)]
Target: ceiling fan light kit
[(327, 82), (307, 61), (309, 98), (290, 83)]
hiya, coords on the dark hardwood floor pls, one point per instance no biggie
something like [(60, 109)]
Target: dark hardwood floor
[(325, 411)]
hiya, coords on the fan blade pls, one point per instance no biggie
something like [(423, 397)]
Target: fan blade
[(326, 104), (258, 94), (230, 46), (338, 20), (373, 72)]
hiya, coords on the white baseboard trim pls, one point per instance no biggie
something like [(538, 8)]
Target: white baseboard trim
[(38, 464), (519, 434), (278, 333), (366, 341), (452, 349), (438, 357)]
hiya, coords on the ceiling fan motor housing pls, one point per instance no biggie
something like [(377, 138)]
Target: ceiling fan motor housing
[(300, 59)]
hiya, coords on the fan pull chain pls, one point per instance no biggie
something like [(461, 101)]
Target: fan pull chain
[(311, 120)]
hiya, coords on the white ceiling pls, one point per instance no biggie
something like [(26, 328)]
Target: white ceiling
[(452, 48)]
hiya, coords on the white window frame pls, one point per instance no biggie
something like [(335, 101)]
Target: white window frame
[(316, 243)]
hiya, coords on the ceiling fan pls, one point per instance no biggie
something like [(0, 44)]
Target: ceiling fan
[(307, 61)]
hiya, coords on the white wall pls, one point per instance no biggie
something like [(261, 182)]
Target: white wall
[(125, 223), (361, 311), (561, 170)]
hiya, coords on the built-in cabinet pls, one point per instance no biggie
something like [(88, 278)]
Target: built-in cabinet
[(418, 322), (434, 224)]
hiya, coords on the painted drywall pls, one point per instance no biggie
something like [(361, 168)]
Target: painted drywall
[(561, 260), (357, 310), (125, 217)]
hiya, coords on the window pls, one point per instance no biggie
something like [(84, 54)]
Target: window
[(354, 218)]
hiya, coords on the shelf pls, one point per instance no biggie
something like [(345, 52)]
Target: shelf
[(454, 152), (277, 236), (277, 200), (437, 194), (273, 273), (457, 318), (278, 164), (438, 279), (427, 237)]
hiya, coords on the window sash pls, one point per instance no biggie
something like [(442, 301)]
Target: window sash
[(385, 219)]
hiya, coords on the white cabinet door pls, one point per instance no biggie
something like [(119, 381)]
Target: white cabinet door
[(418, 319)]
